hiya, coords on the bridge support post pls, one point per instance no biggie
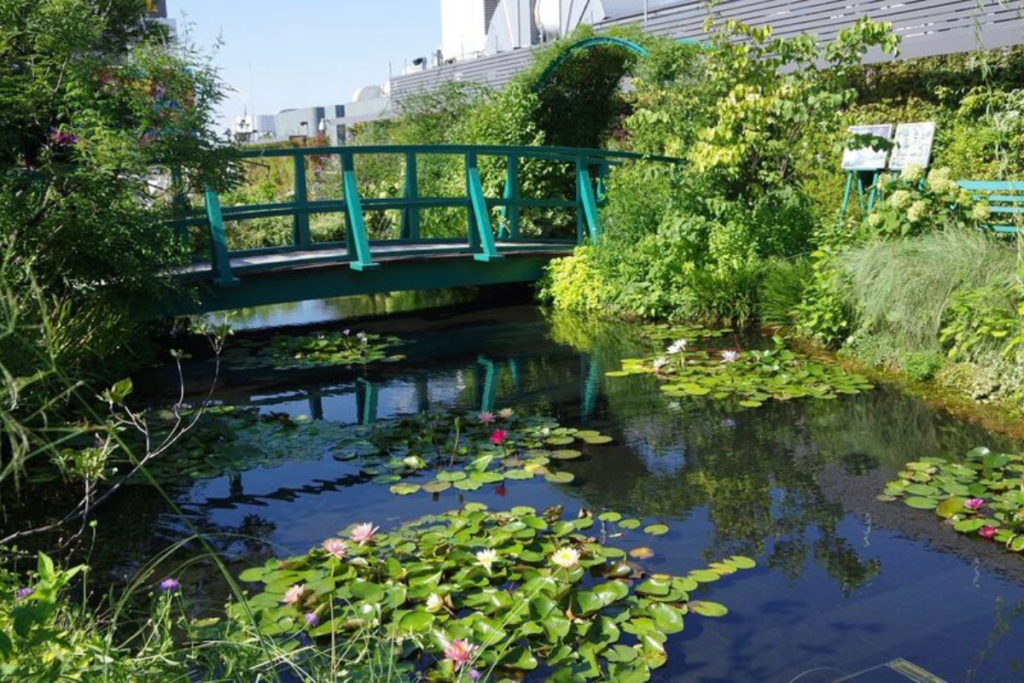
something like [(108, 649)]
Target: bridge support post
[(300, 226), (586, 203), (510, 212), (220, 261), (411, 214), (357, 238), (366, 401), (479, 214), (488, 387)]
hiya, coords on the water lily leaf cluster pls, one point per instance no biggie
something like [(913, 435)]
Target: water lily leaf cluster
[(436, 452), (297, 352), (230, 440), (982, 496), (475, 593), (752, 377)]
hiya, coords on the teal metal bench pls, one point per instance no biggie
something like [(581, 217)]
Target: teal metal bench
[(1005, 202)]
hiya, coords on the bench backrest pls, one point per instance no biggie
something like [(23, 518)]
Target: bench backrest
[(1005, 201)]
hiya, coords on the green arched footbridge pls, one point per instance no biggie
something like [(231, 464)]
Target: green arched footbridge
[(494, 247)]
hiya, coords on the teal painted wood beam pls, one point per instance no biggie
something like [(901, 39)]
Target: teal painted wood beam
[(220, 260), (337, 279), (480, 213), (300, 225), (588, 201), (510, 210), (411, 211), (358, 241)]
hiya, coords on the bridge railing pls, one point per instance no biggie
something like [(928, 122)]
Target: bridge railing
[(590, 168)]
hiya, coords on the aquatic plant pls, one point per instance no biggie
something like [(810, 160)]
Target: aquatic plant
[(231, 440), (440, 451), (290, 352), (752, 376), (499, 593), (981, 496)]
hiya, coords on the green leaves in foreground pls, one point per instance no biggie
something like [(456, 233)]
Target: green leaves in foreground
[(750, 377), (437, 452), (322, 349), (502, 593), (983, 496)]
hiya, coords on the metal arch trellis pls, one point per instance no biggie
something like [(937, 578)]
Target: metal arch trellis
[(587, 44)]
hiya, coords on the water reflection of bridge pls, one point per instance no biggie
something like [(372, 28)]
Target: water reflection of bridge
[(487, 371)]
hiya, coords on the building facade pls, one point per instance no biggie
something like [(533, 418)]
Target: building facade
[(927, 27)]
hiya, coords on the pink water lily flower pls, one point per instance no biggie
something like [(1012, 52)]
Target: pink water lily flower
[(974, 504), (988, 532), (460, 652), (336, 547), (499, 436), (294, 594), (487, 417), (364, 533)]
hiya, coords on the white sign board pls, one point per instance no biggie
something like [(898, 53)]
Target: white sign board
[(913, 145), (865, 158)]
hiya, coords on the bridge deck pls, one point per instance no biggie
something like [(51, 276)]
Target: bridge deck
[(383, 253)]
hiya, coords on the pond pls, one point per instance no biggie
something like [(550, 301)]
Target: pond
[(846, 587)]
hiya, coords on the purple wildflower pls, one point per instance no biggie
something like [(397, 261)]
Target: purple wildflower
[(312, 620), (25, 592), (475, 675), (169, 586)]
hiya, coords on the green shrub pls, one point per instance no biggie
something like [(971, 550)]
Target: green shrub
[(980, 321), (913, 205), (922, 366), (573, 283)]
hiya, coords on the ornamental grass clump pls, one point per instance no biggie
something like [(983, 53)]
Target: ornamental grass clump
[(495, 593)]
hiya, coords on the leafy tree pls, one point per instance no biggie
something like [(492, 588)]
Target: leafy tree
[(97, 106)]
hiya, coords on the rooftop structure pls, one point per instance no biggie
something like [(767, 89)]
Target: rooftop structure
[(928, 27)]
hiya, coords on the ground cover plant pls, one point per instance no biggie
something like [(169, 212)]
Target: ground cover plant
[(478, 594), (751, 377), (982, 496), (319, 349), (435, 452)]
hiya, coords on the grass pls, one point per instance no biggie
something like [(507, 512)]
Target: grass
[(901, 289)]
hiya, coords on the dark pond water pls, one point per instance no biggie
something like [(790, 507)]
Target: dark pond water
[(844, 584)]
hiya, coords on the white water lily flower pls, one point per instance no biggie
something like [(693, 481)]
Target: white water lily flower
[(435, 603), (730, 356), (486, 558), (659, 363), (566, 558), (677, 347)]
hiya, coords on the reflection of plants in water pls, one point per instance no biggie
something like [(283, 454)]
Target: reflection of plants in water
[(489, 595), (887, 427), (1005, 618)]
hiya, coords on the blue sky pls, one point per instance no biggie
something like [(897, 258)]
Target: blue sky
[(308, 52)]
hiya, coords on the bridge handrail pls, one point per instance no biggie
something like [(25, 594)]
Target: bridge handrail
[(358, 246)]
